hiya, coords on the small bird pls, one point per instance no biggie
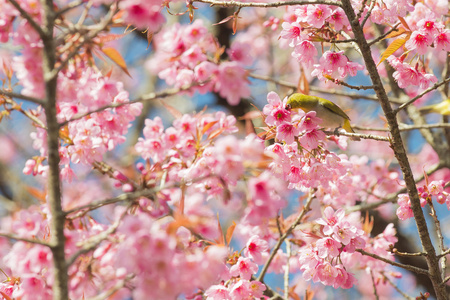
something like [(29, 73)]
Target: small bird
[(442, 108), (332, 115)]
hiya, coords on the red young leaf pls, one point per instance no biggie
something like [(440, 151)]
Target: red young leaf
[(173, 111), (394, 46), (230, 231), (403, 21), (149, 38), (116, 57), (225, 20)]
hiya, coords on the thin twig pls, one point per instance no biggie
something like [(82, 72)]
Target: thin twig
[(88, 37), (18, 238), (148, 97), (319, 90), (128, 197), (369, 12), (353, 87), (121, 198), (361, 10), (31, 116), (437, 224), (404, 127), (407, 254), (94, 241), (297, 221), (360, 135), (396, 288), (421, 95), (383, 36), (84, 14), (444, 253), (115, 288), (286, 271), (267, 5), (23, 97), (30, 20), (392, 197), (70, 6), (374, 285), (406, 267)]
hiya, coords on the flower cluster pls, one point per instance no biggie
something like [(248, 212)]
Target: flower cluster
[(306, 27), (164, 262), (31, 265), (238, 284), (193, 151), (319, 261), (144, 14), (300, 159), (333, 253), (85, 140), (426, 193), (187, 55), (406, 75)]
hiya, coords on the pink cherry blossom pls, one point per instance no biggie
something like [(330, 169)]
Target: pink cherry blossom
[(443, 40), (317, 14), (418, 41), (255, 248), (244, 268), (232, 82), (143, 14)]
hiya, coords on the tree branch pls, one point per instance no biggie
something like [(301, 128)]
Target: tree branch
[(406, 267), (18, 238), (297, 221), (421, 95), (94, 241), (400, 153), (23, 97), (149, 97), (27, 17), (359, 135), (267, 5), (57, 222)]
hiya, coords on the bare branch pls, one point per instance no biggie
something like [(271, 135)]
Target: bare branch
[(404, 127), (369, 12), (267, 5), (18, 238), (31, 116), (375, 292), (297, 221), (359, 135), (30, 19), (406, 254), (94, 241), (286, 271), (319, 90), (115, 288), (70, 6), (397, 288), (121, 198), (421, 95), (406, 267), (440, 237), (354, 87), (88, 37), (381, 37), (23, 97), (148, 97)]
